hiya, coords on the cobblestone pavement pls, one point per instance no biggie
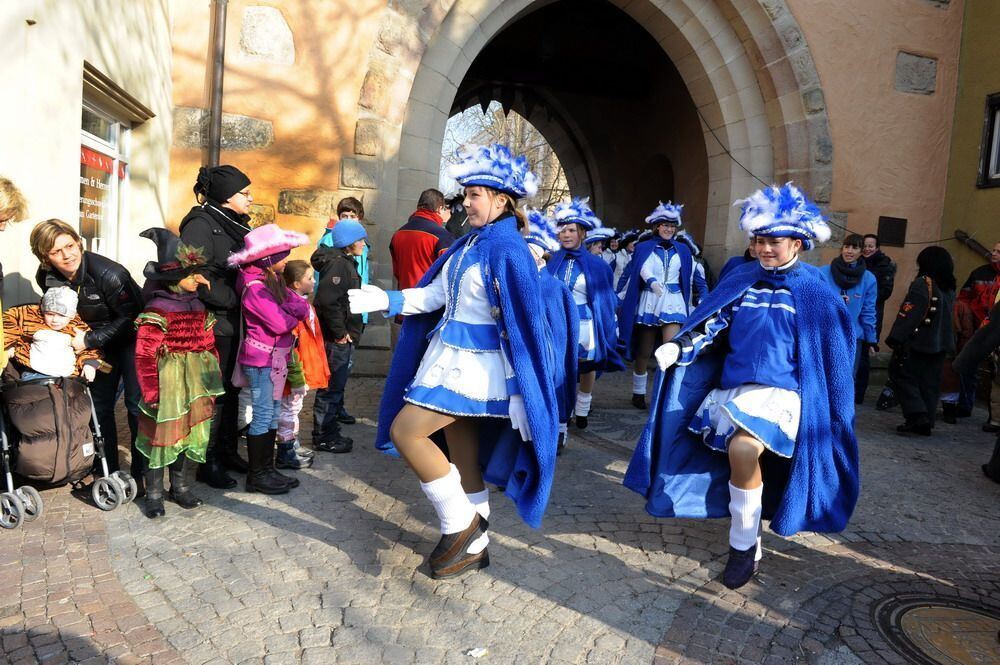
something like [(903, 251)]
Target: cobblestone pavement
[(334, 571)]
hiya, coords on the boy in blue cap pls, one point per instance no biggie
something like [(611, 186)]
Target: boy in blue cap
[(338, 272)]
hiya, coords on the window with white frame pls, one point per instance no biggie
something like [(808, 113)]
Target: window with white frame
[(989, 159), (104, 142)]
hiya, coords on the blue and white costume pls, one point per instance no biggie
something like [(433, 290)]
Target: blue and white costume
[(570, 274), (464, 371), (758, 389), (662, 266)]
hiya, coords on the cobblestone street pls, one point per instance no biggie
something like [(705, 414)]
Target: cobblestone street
[(334, 571)]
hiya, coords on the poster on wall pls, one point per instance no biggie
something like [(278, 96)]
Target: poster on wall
[(97, 205)]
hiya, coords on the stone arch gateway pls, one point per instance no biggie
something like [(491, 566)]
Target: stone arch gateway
[(745, 64)]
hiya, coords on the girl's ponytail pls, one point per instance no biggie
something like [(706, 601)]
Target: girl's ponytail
[(275, 283)]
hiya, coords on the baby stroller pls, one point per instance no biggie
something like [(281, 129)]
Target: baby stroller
[(51, 419)]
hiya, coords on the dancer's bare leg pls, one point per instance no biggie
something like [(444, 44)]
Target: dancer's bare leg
[(410, 433), (463, 444)]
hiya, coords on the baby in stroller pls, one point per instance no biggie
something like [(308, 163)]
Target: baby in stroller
[(40, 338)]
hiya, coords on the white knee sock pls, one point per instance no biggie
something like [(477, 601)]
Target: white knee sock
[(760, 546), (563, 428), (745, 507), (452, 506), (583, 401), (638, 384), (481, 500)]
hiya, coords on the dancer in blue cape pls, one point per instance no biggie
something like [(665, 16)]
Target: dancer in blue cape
[(663, 287), (589, 279), (753, 413), (561, 314), (473, 360)]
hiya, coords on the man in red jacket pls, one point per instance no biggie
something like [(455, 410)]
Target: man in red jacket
[(419, 242)]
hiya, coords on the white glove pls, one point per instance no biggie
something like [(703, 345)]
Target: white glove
[(89, 372), (519, 417), (656, 288), (667, 355), (369, 298)]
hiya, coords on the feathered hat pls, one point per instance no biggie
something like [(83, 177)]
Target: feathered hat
[(783, 212), (494, 166), (686, 238), (668, 212), (266, 245), (542, 231), (599, 234), (174, 259), (576, 211)]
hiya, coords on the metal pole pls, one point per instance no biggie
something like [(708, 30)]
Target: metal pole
[(972, 243), (218, 65)]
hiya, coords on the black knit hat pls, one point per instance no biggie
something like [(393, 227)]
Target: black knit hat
[(175, 260), (219, 183)]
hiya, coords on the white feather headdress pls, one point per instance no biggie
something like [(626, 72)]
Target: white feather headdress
[(576, 211), (542, 231), (494, 166), (783, 212), (666, 212)]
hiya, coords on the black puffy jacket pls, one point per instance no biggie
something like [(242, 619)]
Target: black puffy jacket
[(218, 232), (109, 299)]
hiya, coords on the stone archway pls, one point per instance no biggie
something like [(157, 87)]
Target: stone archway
[(745, 64)]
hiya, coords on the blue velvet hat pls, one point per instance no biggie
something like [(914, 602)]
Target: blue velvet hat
[(576, 211), (542, 231), (494, 166), (668, 213), (783, 212)]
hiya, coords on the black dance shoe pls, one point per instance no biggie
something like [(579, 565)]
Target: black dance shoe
[(450, 557), (581, 422), (639, 401), (740, 567)]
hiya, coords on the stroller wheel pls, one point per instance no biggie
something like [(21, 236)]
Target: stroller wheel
[(107, 494), (126, 483), (11, 511), (32, 502)]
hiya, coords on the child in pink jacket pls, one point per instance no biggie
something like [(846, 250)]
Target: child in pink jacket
[(271, 311)]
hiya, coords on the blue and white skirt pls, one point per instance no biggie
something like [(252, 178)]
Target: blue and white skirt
[(462, 382), (654, 310), (587, 345), (770, 415)]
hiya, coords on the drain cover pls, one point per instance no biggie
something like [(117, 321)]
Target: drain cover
[(936, 630)]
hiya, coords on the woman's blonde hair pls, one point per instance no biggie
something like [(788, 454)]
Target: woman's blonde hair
[(43, 238), (13, 206)]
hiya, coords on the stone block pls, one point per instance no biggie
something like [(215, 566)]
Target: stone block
[(266, 37), (261, 214), (313, 202), (240, 133), (368, 137), (399, 36), (813, 100), (774, 8), (376, 90), (916, 74), (360, 174)]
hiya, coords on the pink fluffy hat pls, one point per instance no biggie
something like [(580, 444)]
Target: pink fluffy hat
[(266, 245)]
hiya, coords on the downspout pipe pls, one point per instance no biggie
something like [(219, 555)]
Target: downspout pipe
[(218, 65), (972, 244)]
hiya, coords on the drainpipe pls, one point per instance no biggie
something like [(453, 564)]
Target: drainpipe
[(972, 243), (217, 41)]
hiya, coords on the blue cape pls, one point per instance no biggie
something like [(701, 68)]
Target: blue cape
[(733, 262), (603, 302), (525, 468), (564, 326), (635, 285), (817, 488)]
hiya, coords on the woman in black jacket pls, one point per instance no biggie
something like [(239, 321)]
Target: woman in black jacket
[(219, 223), (920, 338), (109, 301)]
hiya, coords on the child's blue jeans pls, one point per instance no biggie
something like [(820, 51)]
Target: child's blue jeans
[(265, 407)]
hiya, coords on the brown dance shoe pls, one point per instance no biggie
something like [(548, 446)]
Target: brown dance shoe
[(463, 563), (452, 546)]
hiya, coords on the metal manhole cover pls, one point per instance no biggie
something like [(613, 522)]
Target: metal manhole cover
[(934, 630)]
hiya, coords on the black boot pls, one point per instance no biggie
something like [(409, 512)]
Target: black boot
[(180, 483), (639, 401), (260, 478), (154, 493), (949, 412), (212, 472), (289, 480)]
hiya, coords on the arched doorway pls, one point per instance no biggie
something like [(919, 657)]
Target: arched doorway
[(745, 67)]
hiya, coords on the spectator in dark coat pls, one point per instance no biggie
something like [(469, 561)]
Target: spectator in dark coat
[(109, 301), (985, 342), (920, 338), (884, 270), (218, 224), (338, 272)]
